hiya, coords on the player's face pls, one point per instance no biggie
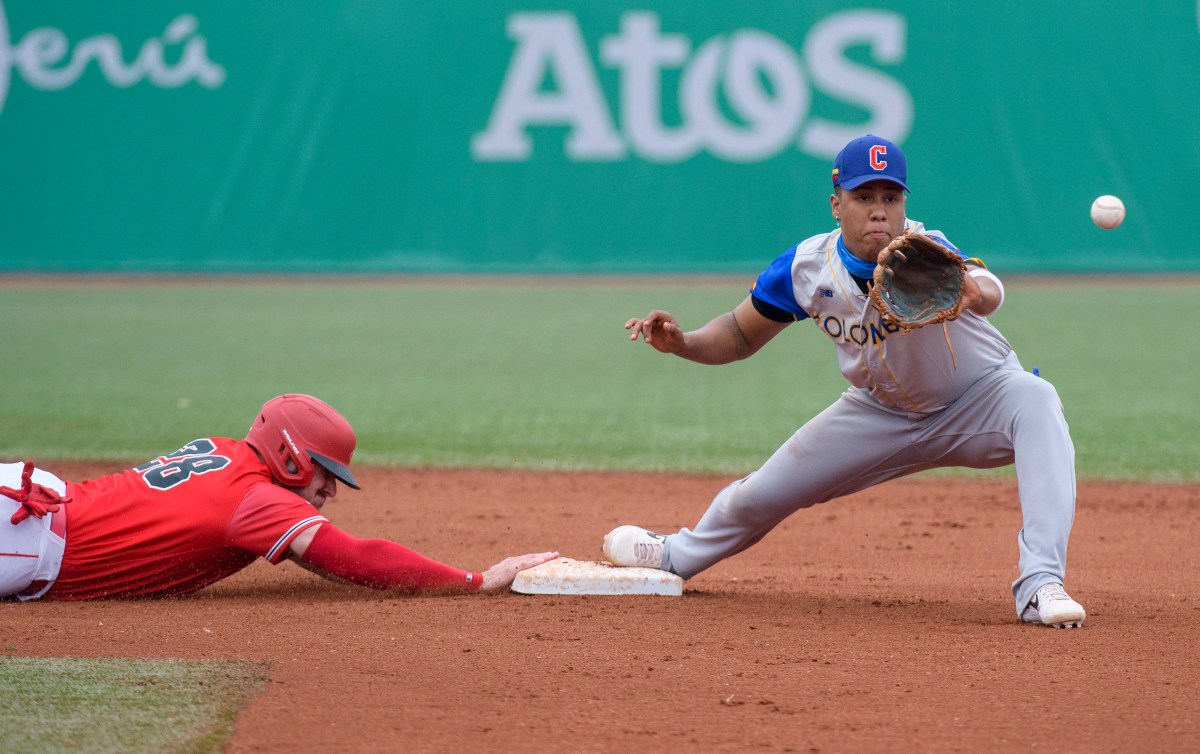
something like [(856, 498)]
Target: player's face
[(870, 215), (322, 487)]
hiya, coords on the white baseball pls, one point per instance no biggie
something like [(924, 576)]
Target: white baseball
[(1108, 211)]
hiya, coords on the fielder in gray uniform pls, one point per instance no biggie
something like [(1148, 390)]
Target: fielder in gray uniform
[(950, 395)]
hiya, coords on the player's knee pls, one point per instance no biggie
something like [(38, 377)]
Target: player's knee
[(1039, 403), (1037, 391)]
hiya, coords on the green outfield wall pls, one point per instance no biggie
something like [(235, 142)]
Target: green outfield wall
[(598, 136)]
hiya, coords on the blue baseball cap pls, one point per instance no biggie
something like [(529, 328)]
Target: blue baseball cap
[(870, 158)]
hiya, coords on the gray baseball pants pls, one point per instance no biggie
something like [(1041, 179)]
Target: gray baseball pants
[(1009, 416)]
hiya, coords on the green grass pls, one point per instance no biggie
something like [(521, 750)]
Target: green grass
[(111, 705), (1124, 360), (537, 374)]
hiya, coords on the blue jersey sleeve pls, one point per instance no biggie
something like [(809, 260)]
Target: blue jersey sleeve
[(774, 289), (940, 237)]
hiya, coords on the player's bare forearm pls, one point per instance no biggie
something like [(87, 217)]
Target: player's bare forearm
[(727, 338), (980, 294), (721, 341)]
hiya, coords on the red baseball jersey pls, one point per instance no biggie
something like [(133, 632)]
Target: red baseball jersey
[(177, 523)]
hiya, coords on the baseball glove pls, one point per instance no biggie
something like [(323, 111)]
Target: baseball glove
[(918, 282)]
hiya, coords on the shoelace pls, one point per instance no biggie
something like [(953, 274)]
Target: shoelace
[(1053, 592)]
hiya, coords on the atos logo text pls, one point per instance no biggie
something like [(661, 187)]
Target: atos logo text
[(744, 96)]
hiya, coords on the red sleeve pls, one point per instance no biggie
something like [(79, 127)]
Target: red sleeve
[(268, 519), (381, 564)]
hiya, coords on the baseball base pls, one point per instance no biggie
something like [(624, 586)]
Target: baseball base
[(567, 576)]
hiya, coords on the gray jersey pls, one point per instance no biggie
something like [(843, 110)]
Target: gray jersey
[(923, 370)]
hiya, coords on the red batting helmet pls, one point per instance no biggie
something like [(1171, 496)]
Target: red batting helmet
[(302, 429)]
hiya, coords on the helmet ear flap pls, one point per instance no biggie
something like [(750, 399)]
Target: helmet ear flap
[(299, 475), (291, 469), (293, 432)]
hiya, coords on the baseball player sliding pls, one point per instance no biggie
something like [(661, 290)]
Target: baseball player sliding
[(184, 520), (951, 395)]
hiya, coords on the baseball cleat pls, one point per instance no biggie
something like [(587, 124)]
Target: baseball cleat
[(634, 547), (1052, 606)]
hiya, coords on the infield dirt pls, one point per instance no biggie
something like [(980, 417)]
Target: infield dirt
[(881, 621)]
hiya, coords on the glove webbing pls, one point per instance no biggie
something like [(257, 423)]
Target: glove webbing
[(945, 334)]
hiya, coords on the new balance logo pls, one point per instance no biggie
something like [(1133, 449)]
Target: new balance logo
[(825, 292)]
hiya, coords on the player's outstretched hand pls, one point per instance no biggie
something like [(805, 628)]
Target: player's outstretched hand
[(502, 574), (658, 329)]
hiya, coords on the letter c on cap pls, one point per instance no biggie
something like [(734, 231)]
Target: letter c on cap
[(878, 151)]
